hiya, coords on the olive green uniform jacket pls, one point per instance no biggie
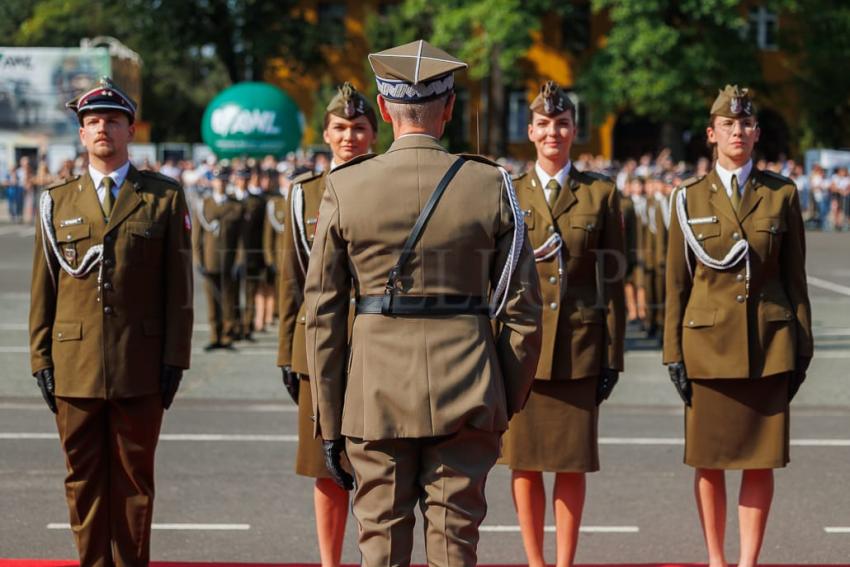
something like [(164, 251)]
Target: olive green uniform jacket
[(417, 376), (584, 314), (713, 324), (107, 335)]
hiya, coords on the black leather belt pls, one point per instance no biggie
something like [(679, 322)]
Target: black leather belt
[(423, 305)]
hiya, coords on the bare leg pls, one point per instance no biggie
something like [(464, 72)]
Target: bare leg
[(269, 310), (568, 501), (331, 504), (530, 503), (753, 509), (260, 308), (710, 491)]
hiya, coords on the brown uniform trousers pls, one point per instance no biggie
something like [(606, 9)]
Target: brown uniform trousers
[(422, 400), (107, 337), (252, 243), (215, 254), (273, 228)]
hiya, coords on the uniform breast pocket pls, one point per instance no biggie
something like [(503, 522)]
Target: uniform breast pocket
[(73, 241), (708, 235), (583, 234), (528, 218), (768, 235), (146, 242)]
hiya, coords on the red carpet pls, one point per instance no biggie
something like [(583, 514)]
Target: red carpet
[(73, 563)]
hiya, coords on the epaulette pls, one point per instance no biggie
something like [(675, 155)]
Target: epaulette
[(597, 176), (776, 176), (479, 158), (519, 176), (691, 181), (159, 176), (306, 176), (64, 181), (354, 161)]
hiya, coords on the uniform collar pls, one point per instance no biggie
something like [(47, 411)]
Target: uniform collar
[(743, 174), (560, 176), (409, 141), (118, 176)]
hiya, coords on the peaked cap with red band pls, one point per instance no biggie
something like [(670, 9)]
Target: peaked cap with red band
[(104, 96)]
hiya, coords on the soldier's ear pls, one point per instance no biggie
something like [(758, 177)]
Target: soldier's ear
[(447, 110), (382, 107)]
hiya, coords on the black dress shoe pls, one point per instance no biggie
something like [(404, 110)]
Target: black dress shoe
[(212, 346)]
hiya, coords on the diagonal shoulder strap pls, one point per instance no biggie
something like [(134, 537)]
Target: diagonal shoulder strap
[(416, 232)]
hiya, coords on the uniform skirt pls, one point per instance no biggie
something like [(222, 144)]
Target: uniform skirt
[(557, 431), (738, 424)]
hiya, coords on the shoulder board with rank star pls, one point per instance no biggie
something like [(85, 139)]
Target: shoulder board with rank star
[(158, 176), (353, 161), (519, 176), (61, 183), (596, 176)]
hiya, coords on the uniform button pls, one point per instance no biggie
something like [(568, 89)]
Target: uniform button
[(590, 226), (59, 335), (109, 238), (147, 233), (691, 323), (108, 262), (787, 314), (736, 236), (553, 306), (553, 280), (550, 228), (773, 229), (739, 277), (740, 298), (352, 301), (107, 310), (699, 236), (107, 285), (303, 318), (68, 237)]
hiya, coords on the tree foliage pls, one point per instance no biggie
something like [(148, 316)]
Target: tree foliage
[(666, 59)]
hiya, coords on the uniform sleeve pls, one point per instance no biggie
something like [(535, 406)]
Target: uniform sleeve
[(613, 270), (326, 294), (520, 322), (42, 304), (792, 258), (179, 311), (677, 289), (290, 291)]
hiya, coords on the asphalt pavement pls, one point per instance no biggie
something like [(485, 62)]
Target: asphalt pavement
[(226, 490)]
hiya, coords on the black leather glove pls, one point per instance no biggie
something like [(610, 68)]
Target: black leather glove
[(605, 384), (679, 377), (333, 461), (47, 386), (798, 376), (291, 381), (169, 382)]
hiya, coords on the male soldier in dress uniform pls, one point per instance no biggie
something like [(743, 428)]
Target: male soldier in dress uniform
[(576, 230), (110, 327), (422, 237), (254, 216), (350, 128), (215, 241)]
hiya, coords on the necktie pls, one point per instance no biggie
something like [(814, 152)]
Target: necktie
[(736, 193), (554, 188), (108, 199)]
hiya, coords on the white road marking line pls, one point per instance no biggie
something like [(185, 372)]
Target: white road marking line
[(197, 527), (837, 530), (583, 529), (831, 286), (276, 438)]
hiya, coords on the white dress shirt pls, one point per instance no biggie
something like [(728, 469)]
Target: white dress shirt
[(560, 177), (743, 174), (118, 176)]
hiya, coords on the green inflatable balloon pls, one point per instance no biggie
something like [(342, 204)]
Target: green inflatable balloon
[(252, 119)]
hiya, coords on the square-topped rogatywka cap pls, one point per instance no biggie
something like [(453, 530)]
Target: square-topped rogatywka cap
[(414, 72)]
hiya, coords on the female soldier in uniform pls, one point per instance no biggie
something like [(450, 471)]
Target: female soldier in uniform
[(737, 338), (575, 227), (350, 129)]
